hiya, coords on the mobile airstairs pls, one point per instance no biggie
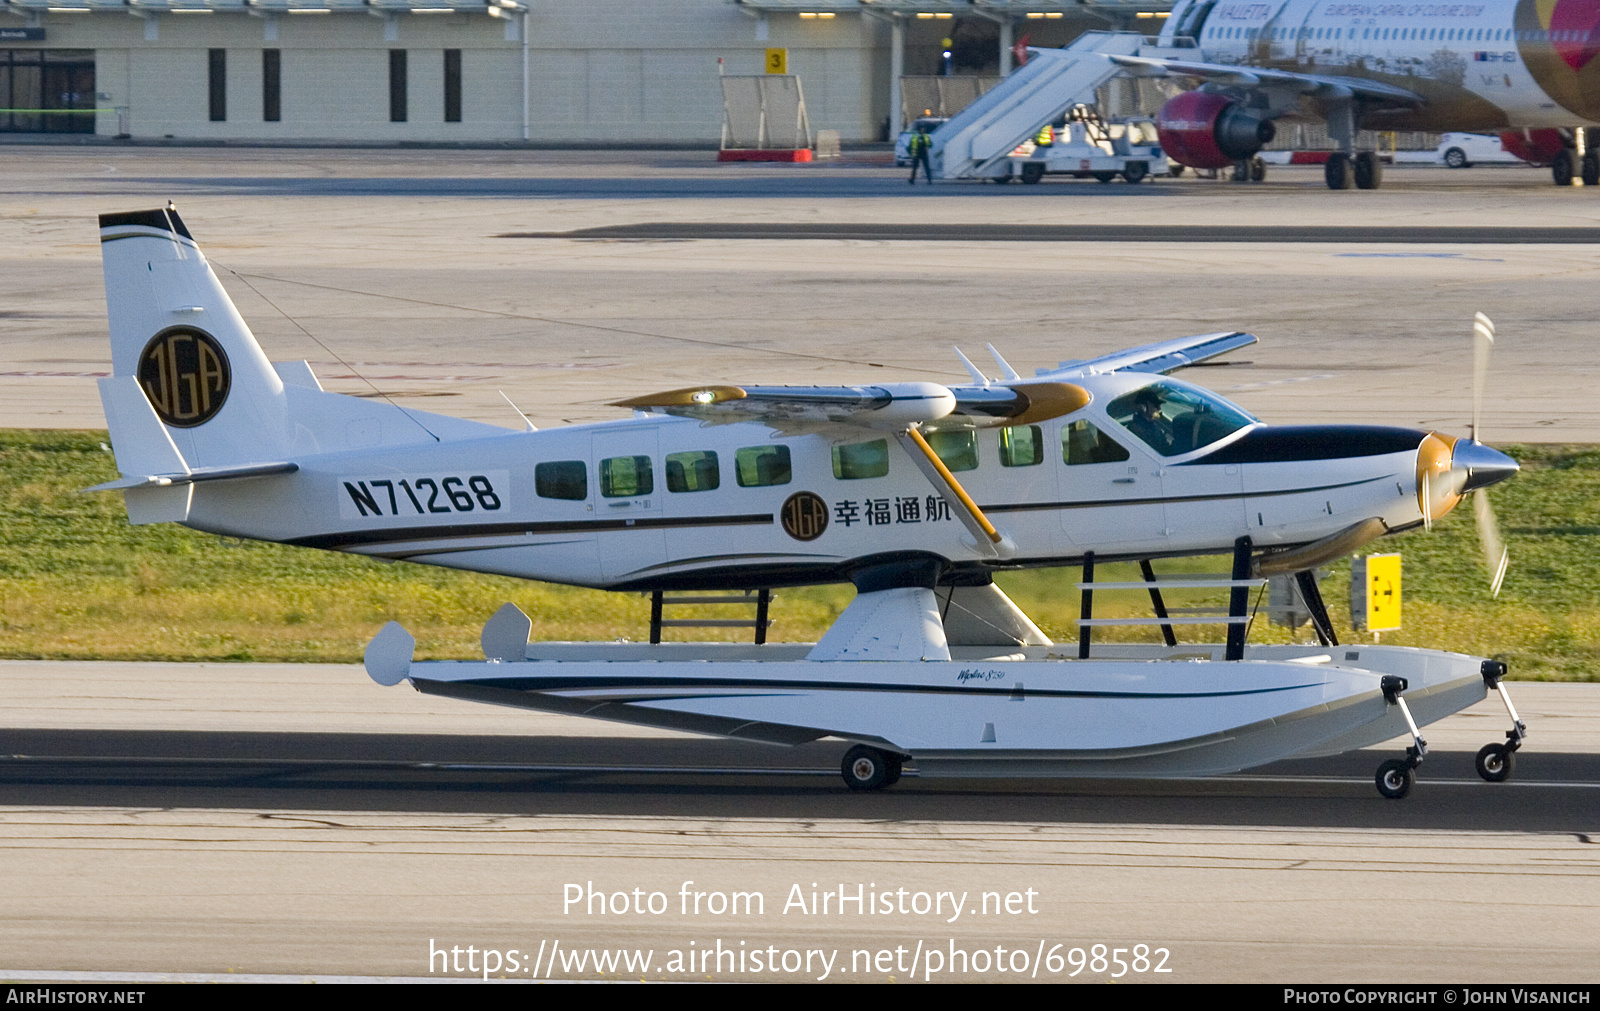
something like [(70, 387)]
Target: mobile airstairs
[(977, 141)]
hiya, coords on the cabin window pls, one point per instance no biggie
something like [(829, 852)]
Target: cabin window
[(958, 450), (762, 466), (861, 460), (568, 479), (1021, 446), (1082, 442), (626, 476), (695, 471)]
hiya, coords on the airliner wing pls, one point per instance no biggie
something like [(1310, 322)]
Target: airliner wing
[(1315, 85), (1161, 357)]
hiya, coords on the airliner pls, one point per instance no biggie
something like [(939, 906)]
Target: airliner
[(1523, 68)]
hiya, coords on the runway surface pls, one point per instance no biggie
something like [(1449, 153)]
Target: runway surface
[(932, 232), (382, 269), (206, 819)]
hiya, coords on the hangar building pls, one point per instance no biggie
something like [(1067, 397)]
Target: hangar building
[(558, 72)]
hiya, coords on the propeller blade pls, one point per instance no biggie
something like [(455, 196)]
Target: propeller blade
[(1495, 556), (1482, 342), (1427, 501)]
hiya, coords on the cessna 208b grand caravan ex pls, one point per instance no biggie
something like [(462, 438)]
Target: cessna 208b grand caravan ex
[(915, 492), (1523, 68)]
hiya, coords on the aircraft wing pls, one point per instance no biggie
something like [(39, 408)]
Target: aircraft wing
[(1161, 357), (889, 407), (1315, 85)]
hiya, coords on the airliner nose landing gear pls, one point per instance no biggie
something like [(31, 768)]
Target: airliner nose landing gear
[(867, 768), (1496, 761), (1396, 776)]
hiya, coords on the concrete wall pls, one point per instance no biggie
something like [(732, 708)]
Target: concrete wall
[(623, 71)]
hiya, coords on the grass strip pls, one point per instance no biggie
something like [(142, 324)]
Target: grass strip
[(78, 582)]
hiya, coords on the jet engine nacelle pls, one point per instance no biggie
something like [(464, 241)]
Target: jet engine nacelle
[(1203, 130), (1537, 147)]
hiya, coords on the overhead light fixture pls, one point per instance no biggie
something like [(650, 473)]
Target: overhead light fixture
[(310, 10), (1153, 14), (929, 17), (68, 10), (815, 14)]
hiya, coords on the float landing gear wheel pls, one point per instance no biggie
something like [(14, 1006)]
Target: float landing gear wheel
[(1495, 762), (1395, 778), (1337, 172), (867, 768), (1368, 170)]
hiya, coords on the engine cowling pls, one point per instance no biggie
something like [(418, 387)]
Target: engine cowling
[(1538, 147), (1203, 130)]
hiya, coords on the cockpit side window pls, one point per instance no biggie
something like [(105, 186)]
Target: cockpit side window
[(1082, 442), (1173, 419)]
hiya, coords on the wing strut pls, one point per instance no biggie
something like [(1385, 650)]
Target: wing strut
[(946, 484)]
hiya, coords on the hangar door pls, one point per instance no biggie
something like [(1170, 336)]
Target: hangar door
[(36, 82)]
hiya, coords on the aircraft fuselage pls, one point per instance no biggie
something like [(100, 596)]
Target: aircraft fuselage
[(1496, 65)]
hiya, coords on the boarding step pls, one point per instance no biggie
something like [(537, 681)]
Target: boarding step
[(762, 599)]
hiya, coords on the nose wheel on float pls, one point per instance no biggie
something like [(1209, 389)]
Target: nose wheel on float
[(1396, 776), (1496, 761)]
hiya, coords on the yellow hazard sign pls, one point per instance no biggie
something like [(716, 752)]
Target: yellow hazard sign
[(777, 61), (1375, 592)]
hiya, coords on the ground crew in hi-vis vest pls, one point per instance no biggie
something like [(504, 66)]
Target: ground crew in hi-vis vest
[(918, 147)]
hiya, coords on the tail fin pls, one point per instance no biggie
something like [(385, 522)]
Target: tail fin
[(176, 331)]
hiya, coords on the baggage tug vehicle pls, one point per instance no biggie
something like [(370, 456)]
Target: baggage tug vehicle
[(917, 493)]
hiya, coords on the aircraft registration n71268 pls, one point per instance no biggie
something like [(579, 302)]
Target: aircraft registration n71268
[(915, 492)]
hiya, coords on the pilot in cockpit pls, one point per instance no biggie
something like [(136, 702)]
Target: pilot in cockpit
[(1148, 423)]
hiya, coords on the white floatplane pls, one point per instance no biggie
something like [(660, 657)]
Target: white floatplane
[(747, 488)]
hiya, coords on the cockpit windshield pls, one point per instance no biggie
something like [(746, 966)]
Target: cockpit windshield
[(1174, 419)]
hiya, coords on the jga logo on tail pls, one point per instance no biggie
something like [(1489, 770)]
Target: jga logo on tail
[(185, 374)]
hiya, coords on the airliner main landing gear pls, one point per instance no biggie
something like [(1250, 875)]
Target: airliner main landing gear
[(1496, 761), (1396, 776), (867, 768), (1362, 171)]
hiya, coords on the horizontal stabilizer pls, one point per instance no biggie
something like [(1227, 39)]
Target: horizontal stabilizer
[(197, 475)]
